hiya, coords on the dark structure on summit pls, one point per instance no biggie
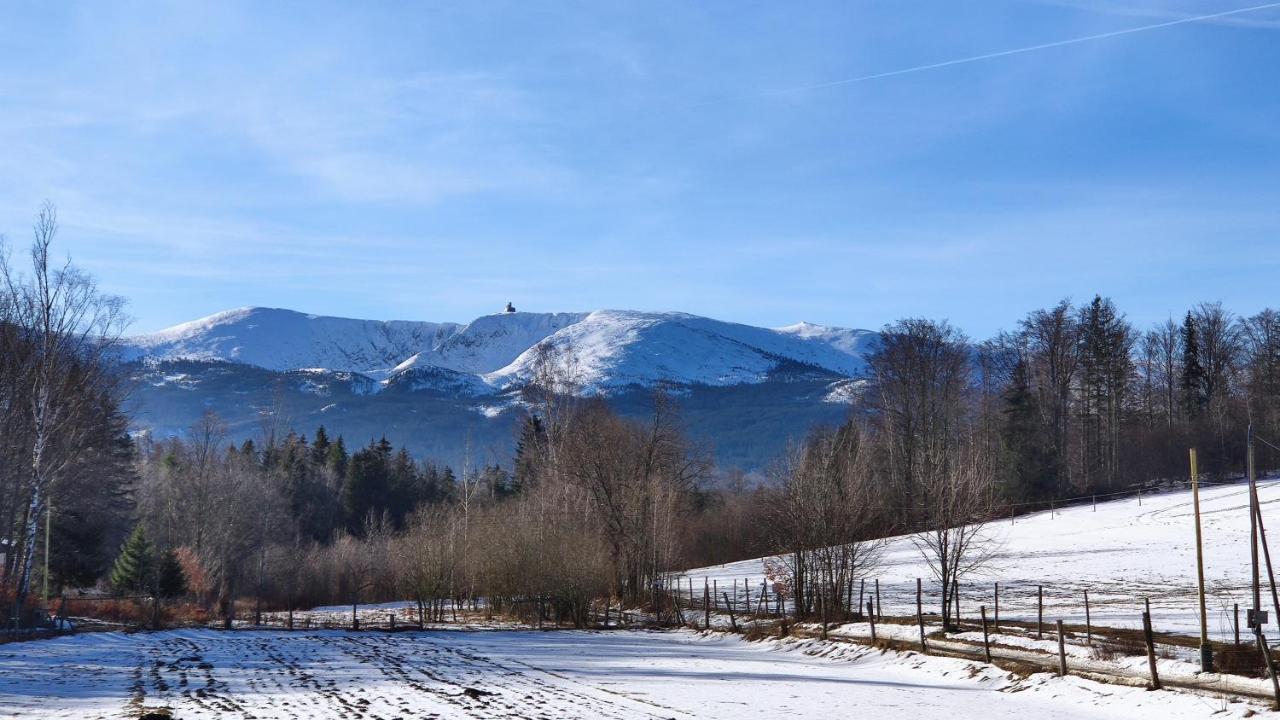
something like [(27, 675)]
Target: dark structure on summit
[(510, 308)]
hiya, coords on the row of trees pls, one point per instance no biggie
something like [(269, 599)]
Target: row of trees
[(1082, 401), (947, 433)]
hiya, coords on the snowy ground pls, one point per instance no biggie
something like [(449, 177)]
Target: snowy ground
[(567, 674), (1121, 553)]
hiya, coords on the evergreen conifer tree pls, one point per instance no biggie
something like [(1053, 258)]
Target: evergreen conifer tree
[(135, 566), (1194, 378), (1031, 459), (172, 578)]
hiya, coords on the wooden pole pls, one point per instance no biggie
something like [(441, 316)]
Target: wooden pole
[(1266, 554), (997, 617), (733, 621), (1039, 612), (879, 608), (1206, 650), (986, 641), (1151, 650), (924, 647), (862, 592), (871, 617), (1253, 526), (1271, 666), (1237, 622), (1088, 623), (1062, 651), (706, 605)]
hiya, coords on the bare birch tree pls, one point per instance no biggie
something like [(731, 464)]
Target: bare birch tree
[(71, 327)]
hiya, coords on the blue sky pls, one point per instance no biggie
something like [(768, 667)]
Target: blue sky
[(433, 160)]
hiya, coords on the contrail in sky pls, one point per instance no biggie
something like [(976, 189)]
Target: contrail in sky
[(1015, 51)]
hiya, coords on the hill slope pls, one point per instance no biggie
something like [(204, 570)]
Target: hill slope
[(1123, 553)]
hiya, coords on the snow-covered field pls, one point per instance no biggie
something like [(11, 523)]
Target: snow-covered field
[(1122, 553), (526, 674)]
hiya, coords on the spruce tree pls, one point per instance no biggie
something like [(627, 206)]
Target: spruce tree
[(1029, 451), (367, 490), (336, 458), (530, 449), (172, 578), (1194, 378), (320, 447), (134, 567)]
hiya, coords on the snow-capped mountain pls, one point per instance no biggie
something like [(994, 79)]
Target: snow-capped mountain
[(441, 387), (609, 348), (278, 339)]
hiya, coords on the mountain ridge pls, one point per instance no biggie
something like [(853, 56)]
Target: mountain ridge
[(452, 391), (610, 348)]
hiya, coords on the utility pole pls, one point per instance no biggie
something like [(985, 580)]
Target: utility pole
[(1256, 620), (1206, 650)]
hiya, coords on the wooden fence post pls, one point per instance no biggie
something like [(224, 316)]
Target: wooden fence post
[(733, 621), (1088, 623), (986, 641), (391, 620), (871, 617), (924, 647), (706, 605), (1039, 612), (1237, 622), (1151, 650), (997, 617), (862, 593), (1062, 651), (879, 607)]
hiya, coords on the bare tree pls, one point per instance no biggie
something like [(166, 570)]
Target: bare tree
[(828, 518), (957, 496), (71, 327), (921, 377)]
